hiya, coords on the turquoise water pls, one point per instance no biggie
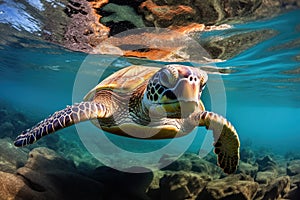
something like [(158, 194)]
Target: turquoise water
[(262, 92)]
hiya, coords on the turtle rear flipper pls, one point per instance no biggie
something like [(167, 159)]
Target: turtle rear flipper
[(226, 140), (70, 115)]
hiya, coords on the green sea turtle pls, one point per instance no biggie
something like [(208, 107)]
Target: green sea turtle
[(147, 103)]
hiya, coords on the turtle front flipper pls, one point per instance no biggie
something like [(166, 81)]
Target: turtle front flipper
[(70, 115), (226, 140)]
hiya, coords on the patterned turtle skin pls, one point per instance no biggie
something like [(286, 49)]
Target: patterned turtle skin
[(147, 103)]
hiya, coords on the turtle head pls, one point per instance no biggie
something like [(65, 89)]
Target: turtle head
[(175, 90)]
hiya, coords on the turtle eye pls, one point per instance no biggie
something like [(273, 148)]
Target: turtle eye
[(168, 78), (164, 79)]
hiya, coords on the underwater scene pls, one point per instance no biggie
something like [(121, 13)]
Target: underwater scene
[(157, 140)]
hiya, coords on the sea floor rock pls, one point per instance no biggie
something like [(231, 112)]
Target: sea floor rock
[(192, 163), (246, 154), (265, 177), (294, 193), (233, 187), (44, 159), (7, 129), (46, 175), (11, 158), (130, 185), (247, 168), (12, 122), (62, 184), (266, 163), (277, 189), (293, 167), (175, 164), (181, 185), (267, 170), (16, 187)]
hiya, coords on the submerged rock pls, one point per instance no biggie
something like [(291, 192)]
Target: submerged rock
[(191, 163), (12, 122), (130, 185), (267, 170), (181, 186), (44, 159), (235, 187), (295, 180), (265, 177), (3, 115), (274, 190), (7, 129), (62, 184), (46, 175), (247, 168), (266, 164), (293, 167), (246, 155), (175, 165), (11, 158), (294, 192), (17, 187)]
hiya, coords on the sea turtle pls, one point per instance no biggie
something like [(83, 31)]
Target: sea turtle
[(147, 103)]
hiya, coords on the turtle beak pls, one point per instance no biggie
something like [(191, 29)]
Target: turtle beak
[(187, 90)]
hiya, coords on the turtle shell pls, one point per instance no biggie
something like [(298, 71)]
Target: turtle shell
[(124, 80)]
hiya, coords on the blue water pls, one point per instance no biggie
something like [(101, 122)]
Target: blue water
[(262, 92)]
